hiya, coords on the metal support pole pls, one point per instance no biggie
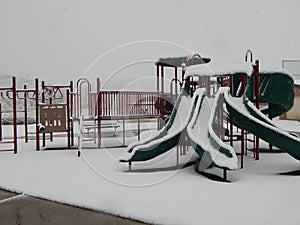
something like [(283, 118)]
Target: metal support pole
[(207, 79), (230, 119), (25, 115), (43, 101), (242, 148), (225, 174), (162, 95), (99, 118), (0, 122), (14, 87), (139, 130), (257, 95), (68, 118), (124, 132), (243, 85), (176, 91), (158, 89), (71, 112), (37, 130), (157, 78)]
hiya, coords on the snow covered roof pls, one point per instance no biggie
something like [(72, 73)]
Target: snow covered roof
[(177, 61), (219, 69), (275, 71)]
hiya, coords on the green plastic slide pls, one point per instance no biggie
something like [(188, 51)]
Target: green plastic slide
[(242, 112), (169, 136), (211, 149)]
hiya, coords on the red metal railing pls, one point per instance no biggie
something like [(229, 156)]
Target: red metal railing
[(123, 105), (130, 104)]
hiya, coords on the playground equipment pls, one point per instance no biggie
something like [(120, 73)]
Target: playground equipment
[(246, 84), (10, 93), (293, 66), (50, 116), (126, 105), (27, 96), (193, 114), (140, 151), (54, 113), (206, 134)]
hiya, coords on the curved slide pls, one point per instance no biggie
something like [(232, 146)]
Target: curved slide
[(276, 87), (168, 137), (206, 143), (247, 116), (197, 116)]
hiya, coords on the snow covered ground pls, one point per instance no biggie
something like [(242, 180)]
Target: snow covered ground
[(157, 191)]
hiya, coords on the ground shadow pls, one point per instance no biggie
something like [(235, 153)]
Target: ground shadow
[(291, 173), (212, 176), (160, 169)]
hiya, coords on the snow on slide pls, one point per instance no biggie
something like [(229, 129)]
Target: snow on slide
[(240, 109), (206, 143), (261, 116), (168, 137)]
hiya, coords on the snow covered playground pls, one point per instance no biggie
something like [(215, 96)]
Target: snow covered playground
[(217, 143)]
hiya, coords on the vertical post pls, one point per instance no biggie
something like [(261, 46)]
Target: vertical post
[(99, 118), (71, 112), (124, 132), (68, 118), (176, 80), (15, 114), (231, 121), (98, 85), (257, 95), (207, 79), (43, 101), (37, 131), (200, 82), (243, 84), (162, 95), (171, 90), (189, 85), (139, 130), (246, 143), (182, 74), (225, 174), (51, 98), (0, 122), (242, 147), (25, 115), (157, 78), (256, 83)]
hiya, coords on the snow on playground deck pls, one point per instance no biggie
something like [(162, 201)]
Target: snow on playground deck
[(155, 191)]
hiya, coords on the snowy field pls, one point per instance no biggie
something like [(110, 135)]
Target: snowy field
[(158, 191)]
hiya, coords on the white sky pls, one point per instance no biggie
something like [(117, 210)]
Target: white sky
[(57, 40)]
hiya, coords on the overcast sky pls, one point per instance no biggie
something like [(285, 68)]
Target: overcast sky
[(57, 40)]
